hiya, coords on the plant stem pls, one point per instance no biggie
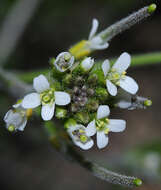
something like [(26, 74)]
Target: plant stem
[(126, 23), (59, 140)]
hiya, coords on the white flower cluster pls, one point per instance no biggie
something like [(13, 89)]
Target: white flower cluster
[(47, 97)]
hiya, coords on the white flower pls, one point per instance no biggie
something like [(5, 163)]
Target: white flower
[(80, 137), (64, 61), (16, 119), (45, 96), (95, 41), (116, 76), (87, 64), (102, 126)]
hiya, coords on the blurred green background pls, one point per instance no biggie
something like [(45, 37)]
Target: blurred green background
[(27, 161)]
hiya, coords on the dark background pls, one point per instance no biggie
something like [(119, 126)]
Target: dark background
[(27, 160)]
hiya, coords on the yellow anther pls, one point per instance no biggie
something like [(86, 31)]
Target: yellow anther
[(124, 73), (107, 120), (28, 112), (81, 131), (106, 131)]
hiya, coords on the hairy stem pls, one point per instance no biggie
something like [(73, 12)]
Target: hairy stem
[(62, 144), (126, 23)]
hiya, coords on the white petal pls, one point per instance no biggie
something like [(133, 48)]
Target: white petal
[(105, 67), (8, 115), (117, 125), (103, 111), (62, 98), (85, 146), (31, 101), (112, 89), (99, 46), (41, 83), (129, 85), (91, 129), (124, 104), (87, 63), (122, 63), (47, 111), (102, 139), (23, 125), (94, 28)]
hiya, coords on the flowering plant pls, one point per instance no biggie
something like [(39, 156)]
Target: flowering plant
[(79, 92)]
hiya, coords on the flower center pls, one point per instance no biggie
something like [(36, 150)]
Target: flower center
[(81, 135), (114, 76), (47, 97), (101, 124)]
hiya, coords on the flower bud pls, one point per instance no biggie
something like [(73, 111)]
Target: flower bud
[(82, 117), (61, 113), (70, 123), (64, 61), (101, 93), (87, 64)]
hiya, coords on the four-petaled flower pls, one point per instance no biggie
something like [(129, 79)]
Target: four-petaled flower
[(96, 42), (79, 136), (64, 61), (45, 96), (16, 119), (116, 76), (102, 126)]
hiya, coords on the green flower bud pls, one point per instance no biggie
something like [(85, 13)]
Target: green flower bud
[(82, 117), (69, 123), (61, 113), (97, 70), (101, 93), (92, 105), (92, 79), (67, 79)]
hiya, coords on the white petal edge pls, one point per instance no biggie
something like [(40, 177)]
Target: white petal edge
[(112, 89), (8, 115), (21, 128), (122, 63), (94, 28), (41, 83), (105, 67), (99, 46), (117, 125), (86, 145), (91, 129), (124, 104), (47, 111), (31, 101), (103, 111), (129, 85), (102, 139), (62, 98)]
